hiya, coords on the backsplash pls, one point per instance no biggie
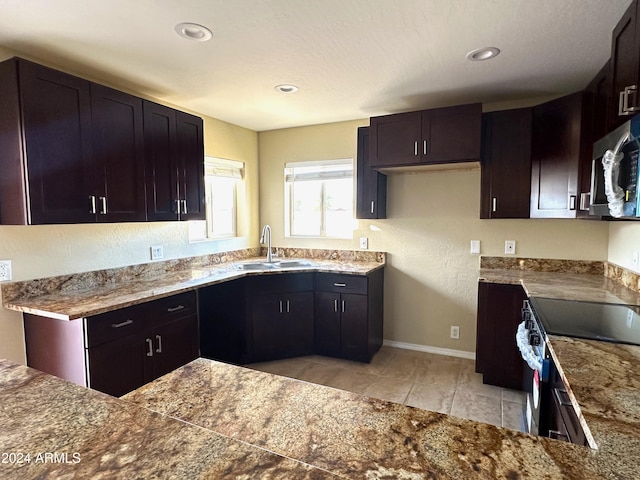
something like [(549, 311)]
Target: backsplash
[(319, 254), (543, 265), (622, 276)]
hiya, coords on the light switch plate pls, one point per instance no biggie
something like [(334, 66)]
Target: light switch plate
[(475, 247), (5, 270), (157, 252), (455, 332), (364, 243), (510, 247)]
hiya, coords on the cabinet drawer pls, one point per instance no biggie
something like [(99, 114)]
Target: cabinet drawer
[(330, 282), (280, 283), (117, 324), (169, 308)]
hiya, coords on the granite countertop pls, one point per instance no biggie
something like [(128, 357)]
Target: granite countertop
[(359, 437), (97, 297), (69, 431)]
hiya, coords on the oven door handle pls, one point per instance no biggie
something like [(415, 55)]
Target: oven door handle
[(526, 352)]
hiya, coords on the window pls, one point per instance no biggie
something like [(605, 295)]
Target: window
[(221, 178), (319, 198)]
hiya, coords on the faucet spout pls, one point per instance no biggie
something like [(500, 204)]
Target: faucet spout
[(266, 234)]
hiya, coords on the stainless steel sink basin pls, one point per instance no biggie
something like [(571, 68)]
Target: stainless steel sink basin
[(274, 265)]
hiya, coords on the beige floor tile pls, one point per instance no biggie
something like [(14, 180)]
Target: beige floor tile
[(318, 373), (512, 415), (513, 396), (352, 381), (438, 372), (391, 389), (471, 382), (477, 407), (436, 398)]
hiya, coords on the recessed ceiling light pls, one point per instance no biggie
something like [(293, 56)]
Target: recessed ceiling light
[(286, 88), (193, 31), (481, 54)]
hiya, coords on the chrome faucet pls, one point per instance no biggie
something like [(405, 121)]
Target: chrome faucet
[(266, 232)]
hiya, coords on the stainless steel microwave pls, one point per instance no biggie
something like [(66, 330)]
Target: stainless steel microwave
[(614, 173)]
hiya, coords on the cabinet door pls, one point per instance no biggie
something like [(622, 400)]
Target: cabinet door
[(56, 115), (268, 327), (451, 134), (557, 157), (371, 186), (499, 313), (354, 331), (625, 65), (118, 367), (161, 170), (297, 337), (327, 324), (190, 161), (395, 140), (506, 164), (118, 152), (174, 344)]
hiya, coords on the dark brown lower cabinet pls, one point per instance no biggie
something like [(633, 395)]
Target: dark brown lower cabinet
[(348, 315), (118, 351), (499, 313), (565, 424)]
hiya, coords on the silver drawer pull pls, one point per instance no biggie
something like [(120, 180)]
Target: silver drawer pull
[(555, 434), (557, 392), (175, 309), (123, 324), (339, 284), (150, 345)]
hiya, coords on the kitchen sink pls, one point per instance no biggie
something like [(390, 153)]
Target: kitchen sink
[(274, 265)]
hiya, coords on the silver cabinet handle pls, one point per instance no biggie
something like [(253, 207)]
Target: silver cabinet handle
[(159, 349), (150, 345), (494, 204), (123, 324), (572, 202), (103, 203), (175, 309), (555, 434), (288, 309), (92, 202), (343, 306), (424, 147), (562, 402), (280, 302), (415, 148), (339, 284), (585, 200), (335, 305), (373, 203), (623, 101), (184, 207)]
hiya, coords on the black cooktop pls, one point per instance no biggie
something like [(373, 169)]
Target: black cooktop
[(596, 321)]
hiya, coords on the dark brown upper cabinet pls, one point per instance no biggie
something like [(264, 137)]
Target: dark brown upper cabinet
[(72, 151), (506, 163), (371, 185), (118, 156), (45, 146), (174, 154), (441, 135), (625, 67), (561, 155)]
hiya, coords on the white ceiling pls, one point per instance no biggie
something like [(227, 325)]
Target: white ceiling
[(351, 58)]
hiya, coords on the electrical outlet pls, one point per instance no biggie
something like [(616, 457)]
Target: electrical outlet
[(364, 243), (5, 270), (510, 247), (634, 260), (475, 247), (455, 332), (157, 252)]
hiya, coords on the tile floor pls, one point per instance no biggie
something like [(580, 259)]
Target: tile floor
[(424, 380)]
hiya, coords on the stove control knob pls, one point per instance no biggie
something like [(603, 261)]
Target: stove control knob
[(534, 339), (528, 324)]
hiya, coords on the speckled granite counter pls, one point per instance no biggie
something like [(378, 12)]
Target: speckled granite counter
[(81, 295), (359, 437), (73, 432)]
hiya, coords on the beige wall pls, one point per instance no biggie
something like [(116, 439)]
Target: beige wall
[(624, 239), (431, 279), (42, 251)]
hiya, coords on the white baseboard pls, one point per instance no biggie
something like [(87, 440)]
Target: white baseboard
[(426, 348)]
